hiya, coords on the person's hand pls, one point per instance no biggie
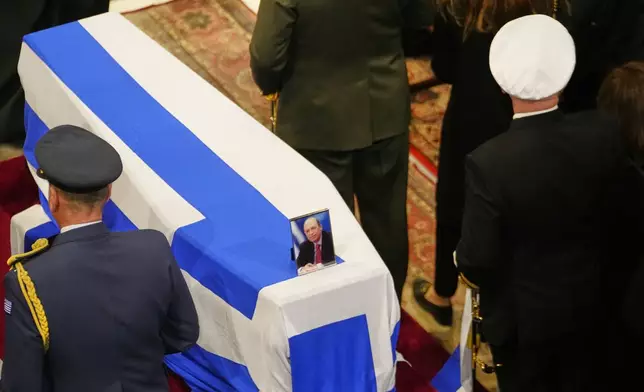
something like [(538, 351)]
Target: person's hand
[(308, 268)]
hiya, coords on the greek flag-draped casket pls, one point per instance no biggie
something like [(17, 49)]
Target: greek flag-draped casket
[(221, 188)]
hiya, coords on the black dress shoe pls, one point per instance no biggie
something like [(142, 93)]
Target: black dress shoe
[(442, 314)]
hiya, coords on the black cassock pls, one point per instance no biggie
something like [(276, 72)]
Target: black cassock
[(18, 18)]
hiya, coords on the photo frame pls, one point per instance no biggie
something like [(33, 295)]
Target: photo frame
[(313, 245)]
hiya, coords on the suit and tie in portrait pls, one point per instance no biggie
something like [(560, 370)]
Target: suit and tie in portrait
[(318, 247)]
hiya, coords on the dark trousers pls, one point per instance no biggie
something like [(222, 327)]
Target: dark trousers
[(567, 364), (445, 273), (18, 18), (377, 176), (82, 9)]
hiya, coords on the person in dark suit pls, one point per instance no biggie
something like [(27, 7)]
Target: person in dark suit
[(73, 10), (17, 19), (318, 247), (93, 310), (540, 218), (607, 34), (344, 103), (477, 111), (620, 98)]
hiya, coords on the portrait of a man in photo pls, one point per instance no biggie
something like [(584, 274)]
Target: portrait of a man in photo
[(318, 246)]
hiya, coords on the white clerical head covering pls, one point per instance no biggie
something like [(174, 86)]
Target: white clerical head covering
[(532, 57)]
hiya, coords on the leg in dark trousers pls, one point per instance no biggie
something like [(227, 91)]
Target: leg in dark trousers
[(450, 199), (380, 181), (446, 274), (378, 176), (559, 365), (524, 369), (338, 166), (17, 18), (82, 9), (506, 356)]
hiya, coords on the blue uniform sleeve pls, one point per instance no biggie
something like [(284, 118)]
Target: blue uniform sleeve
[(181, 328), (24, 354)]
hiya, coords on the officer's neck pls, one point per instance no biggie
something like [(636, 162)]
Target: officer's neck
[(521, 106), (72, 218)]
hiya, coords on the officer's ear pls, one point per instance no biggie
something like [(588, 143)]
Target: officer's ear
[(54, 201), (109, 193)]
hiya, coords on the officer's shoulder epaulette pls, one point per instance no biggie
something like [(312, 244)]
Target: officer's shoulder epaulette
[(37, 248)]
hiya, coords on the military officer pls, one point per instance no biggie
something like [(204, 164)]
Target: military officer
[(93, 310), (344, 105)]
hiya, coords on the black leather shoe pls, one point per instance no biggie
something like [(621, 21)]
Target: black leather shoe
[(442, 314)]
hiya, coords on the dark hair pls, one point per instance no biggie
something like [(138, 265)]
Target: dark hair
[(79, 201), (621, 96), (490, 15)]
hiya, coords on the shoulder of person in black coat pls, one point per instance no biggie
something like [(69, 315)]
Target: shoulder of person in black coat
[(607, 34), (589, 127)]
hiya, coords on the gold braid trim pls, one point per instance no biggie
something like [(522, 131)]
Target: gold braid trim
[(273, 99), (555, 8), (468, 283), (29, 289)]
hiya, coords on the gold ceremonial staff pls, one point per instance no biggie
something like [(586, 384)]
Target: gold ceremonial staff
[(475, 333), (273, 98)]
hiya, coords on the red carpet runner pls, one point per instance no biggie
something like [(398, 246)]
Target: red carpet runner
[(18, 192)]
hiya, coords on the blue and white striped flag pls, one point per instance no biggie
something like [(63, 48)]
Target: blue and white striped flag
[(298, 238), (456, 374), (218, 185)]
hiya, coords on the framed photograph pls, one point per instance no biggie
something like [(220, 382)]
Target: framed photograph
[(313, 247)]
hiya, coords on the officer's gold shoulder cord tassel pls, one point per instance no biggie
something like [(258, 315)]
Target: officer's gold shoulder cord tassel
[(29, 289)]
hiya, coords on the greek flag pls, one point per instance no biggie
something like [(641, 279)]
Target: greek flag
[(218, 185), (456, 374)]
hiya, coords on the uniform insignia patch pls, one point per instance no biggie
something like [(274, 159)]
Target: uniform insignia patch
[(7, 306)]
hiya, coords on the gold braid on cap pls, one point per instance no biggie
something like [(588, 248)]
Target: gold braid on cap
[(29, 289)]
